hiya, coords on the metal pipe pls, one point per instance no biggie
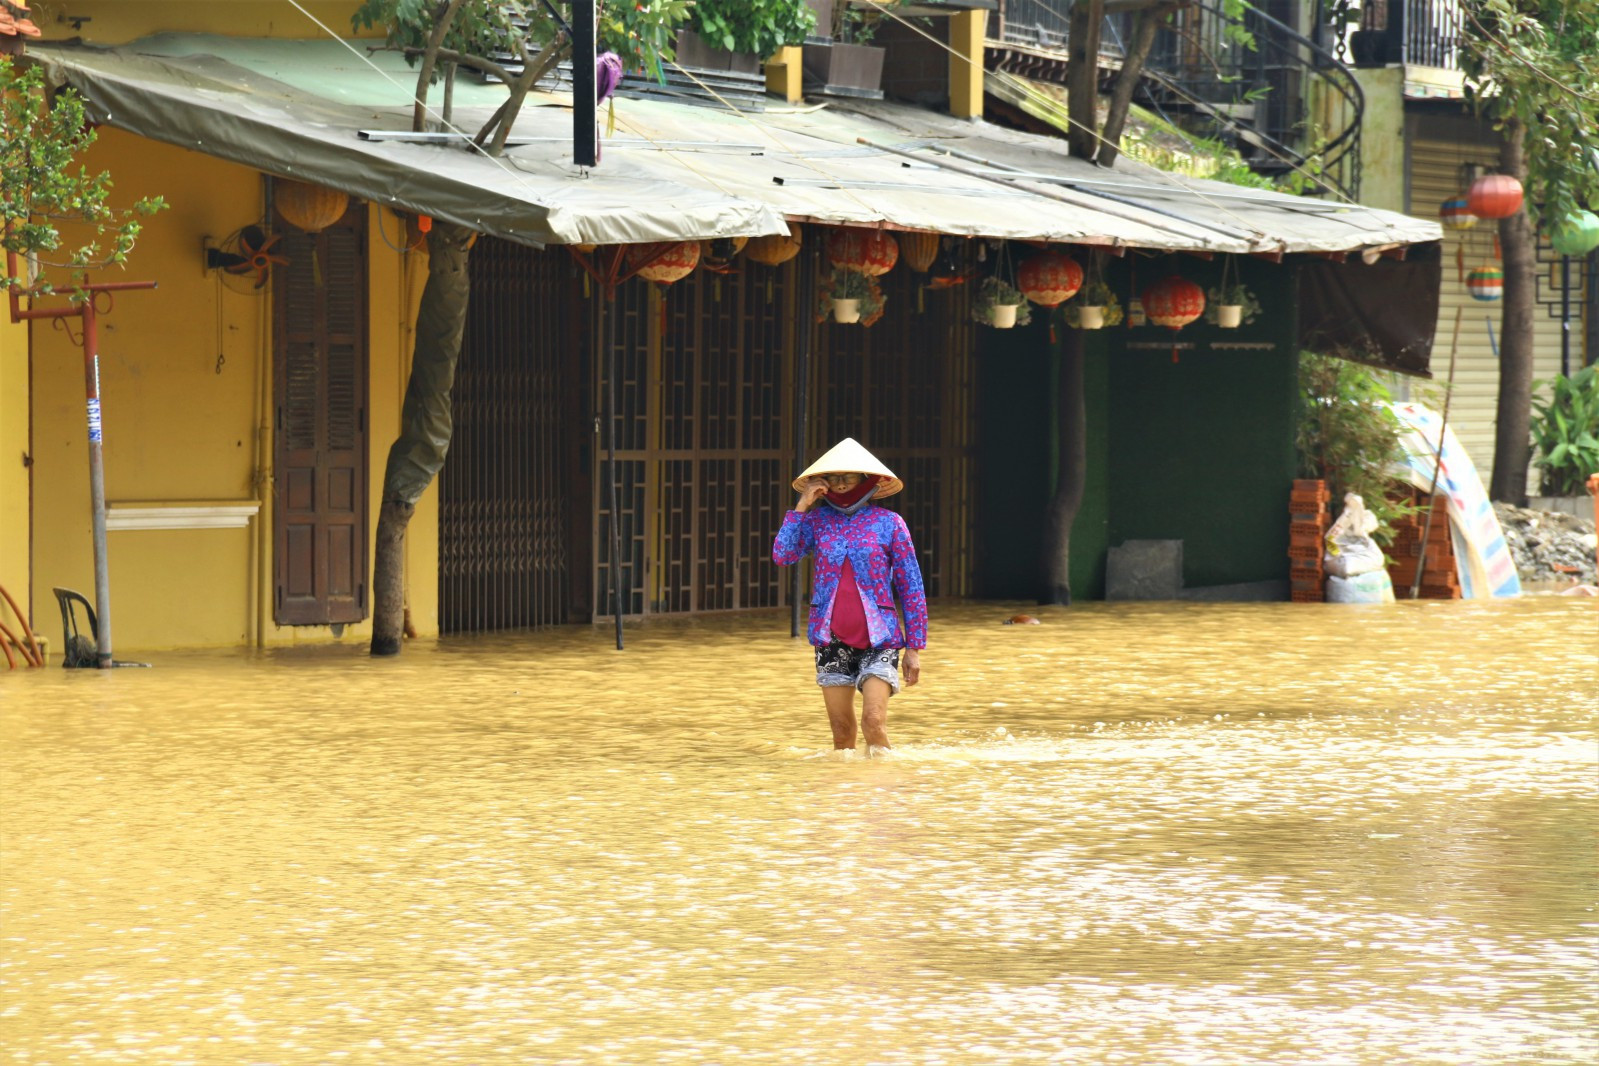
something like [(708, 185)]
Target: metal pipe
[(90, 339), (517, 140), (804, 285), (91, 389), (1008, 173), (1050, 194), (608, 349), (1276, 200), (1565, 316)]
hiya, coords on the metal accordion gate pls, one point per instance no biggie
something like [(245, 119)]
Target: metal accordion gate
[(506, 506), (706, 414)]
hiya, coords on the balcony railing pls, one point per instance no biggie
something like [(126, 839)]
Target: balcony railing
[(1286, 102), (1038, 23), (1422, 33)]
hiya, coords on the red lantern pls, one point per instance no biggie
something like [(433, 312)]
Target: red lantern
[(674, 264), (1049, 279), (865, 251), (1174, 302), (1494, 196)]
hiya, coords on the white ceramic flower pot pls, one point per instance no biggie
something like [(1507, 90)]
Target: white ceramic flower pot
[(1004, 316), (1229, 316), (1091, 317), (846, 311)]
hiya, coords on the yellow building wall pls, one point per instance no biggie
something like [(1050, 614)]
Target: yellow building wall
[(118, 21), (183, 427)]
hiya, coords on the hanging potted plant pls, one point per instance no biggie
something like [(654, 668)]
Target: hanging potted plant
[(850, 296), (1230, 304), (998, 301), (1000, 304), (1095, 307)]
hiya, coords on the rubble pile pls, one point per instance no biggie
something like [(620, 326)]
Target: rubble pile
[(1549, 545)]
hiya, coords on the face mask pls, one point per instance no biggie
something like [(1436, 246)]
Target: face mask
[(854, 499)]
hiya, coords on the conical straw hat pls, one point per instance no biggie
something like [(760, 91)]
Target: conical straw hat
[(848, 457)]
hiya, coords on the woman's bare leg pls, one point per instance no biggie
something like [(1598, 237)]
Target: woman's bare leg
[(874, 712), (840, 700)]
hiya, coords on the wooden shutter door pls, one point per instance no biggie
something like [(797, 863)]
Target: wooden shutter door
[(319, 331)]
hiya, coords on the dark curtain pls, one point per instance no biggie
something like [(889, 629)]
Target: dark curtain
[(1384, 313)]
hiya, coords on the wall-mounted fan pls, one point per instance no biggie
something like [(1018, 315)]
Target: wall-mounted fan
[(246, 252)]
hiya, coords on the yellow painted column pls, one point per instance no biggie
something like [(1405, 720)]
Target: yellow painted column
[(966, 32), (783, 74), (15, 401)]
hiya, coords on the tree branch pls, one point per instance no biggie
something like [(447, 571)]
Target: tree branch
[(533, 68), (429, 58), (461, 59), (1121, 97)]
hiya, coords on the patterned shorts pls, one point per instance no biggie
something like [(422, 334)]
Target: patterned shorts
[(838, 664)]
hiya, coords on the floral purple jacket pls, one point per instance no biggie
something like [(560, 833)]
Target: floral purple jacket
[(878, 546)]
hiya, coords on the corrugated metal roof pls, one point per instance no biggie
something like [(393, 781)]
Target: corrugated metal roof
[(675, 170)]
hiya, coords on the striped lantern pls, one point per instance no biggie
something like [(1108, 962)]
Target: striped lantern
[(676, 263), (1455, 214), (774, 249), (1486, 283), (864, 251), (1576, 234), (919, 250), (1174, 302), (1494, 196), (1049, 279)]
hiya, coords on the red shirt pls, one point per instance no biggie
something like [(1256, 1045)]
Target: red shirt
[(849, 616)]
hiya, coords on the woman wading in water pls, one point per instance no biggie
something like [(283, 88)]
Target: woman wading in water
[(864, 560)]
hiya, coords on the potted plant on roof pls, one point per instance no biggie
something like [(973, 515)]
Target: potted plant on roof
[(1000, 304), (738, 34), (851, 297), (848, 65), (1230, 304)]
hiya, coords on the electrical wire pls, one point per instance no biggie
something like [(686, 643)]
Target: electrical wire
[(514, 173), (414, 99), (772, 133)]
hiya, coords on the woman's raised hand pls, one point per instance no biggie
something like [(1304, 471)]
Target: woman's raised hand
[(814, 490)]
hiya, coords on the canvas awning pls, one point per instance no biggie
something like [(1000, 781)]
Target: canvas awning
[(319, 111), (295, 109)]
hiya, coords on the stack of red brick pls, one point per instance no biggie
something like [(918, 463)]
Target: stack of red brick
[(1440, 578), (14, 23), (1307, 530)]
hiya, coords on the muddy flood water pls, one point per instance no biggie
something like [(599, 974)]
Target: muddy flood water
[(1144, 834)]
